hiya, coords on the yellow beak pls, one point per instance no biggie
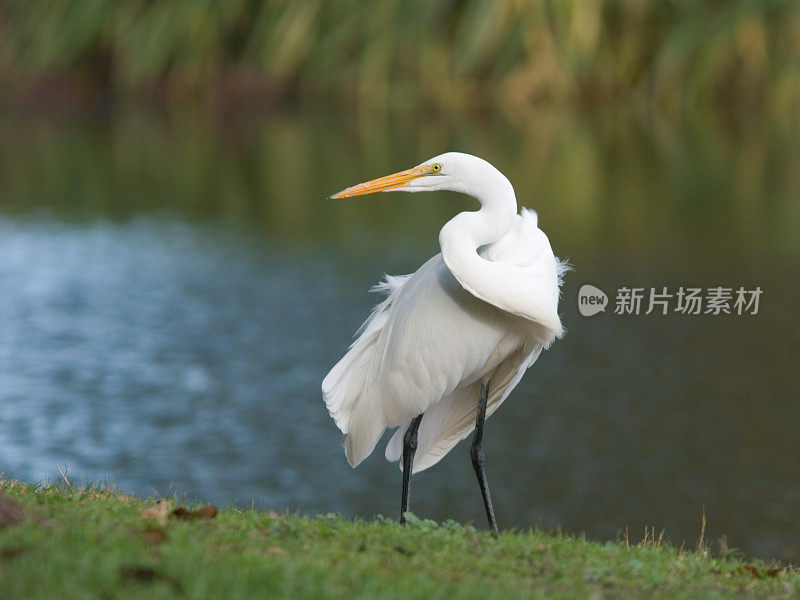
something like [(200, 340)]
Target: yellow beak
[(383, 184)]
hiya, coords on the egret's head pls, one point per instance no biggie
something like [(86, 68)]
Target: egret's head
[(450, 171)]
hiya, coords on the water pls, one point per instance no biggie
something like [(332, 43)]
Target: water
[(173, 290)]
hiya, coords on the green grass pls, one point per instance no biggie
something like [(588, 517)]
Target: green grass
[(95, 543)]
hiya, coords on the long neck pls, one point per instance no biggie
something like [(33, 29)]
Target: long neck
[(516, 290), (461, 237)]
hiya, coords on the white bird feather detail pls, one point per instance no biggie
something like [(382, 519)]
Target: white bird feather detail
[(428, 346)]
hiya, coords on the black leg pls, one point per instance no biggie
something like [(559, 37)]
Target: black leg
[(476, 452), (409, 448)]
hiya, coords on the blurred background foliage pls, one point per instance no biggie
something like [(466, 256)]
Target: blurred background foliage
[(737, 55)]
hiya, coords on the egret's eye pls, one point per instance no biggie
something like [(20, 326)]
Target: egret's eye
[(437, 168)]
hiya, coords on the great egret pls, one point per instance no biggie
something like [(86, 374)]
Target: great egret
[(450, 342)]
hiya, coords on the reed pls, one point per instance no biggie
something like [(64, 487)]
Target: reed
[(410, 54)]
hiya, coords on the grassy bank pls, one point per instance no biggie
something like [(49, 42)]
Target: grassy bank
[(93, 543)]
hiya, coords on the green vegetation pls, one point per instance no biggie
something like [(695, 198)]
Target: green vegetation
[(472, 54), (96, 543)]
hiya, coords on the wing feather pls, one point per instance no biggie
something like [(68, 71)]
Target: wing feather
[(451, 420), (344, 384)]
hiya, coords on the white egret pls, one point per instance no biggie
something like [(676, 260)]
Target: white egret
[(449, 343)]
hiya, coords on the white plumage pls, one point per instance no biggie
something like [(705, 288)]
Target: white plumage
[(482, 310)]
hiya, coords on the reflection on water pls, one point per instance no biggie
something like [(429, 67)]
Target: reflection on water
[(173, 292)]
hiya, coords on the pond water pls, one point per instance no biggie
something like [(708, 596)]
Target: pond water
[(174, 288)]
